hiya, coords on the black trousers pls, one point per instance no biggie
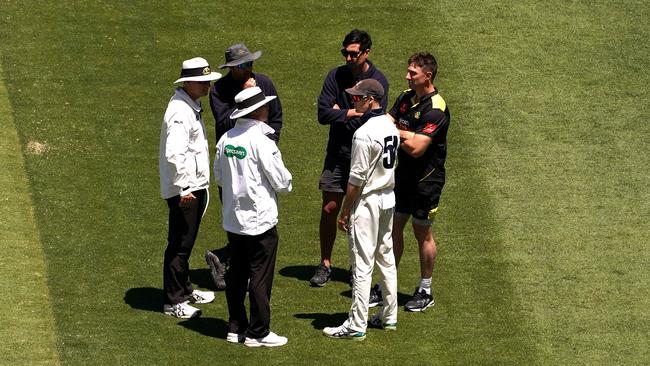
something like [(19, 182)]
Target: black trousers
[(183, 227), (253, 259)]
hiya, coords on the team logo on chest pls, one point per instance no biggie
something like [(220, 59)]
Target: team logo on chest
[(235, 151), (417, 115)]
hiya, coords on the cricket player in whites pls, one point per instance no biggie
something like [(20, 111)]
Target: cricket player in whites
[(367, 213)]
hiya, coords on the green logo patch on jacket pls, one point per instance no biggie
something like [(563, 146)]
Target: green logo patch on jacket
[(236, 151)]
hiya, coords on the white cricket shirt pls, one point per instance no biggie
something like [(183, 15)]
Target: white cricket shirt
[(374, 157)]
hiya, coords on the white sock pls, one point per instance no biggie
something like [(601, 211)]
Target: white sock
[(425, 284)]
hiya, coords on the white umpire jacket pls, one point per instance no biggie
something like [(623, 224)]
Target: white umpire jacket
[(184, 160), (248, 166)]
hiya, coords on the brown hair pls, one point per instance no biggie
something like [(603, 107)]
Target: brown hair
[(426, 61)]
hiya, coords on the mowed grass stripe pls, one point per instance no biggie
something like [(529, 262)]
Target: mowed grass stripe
[(567, 192), (29, 335)]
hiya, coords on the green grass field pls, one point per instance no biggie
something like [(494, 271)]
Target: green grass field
[(543, 232)]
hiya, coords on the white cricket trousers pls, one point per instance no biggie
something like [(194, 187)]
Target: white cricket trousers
[(371, 241)]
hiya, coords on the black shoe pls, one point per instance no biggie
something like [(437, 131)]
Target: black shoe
[(321, 276), (223, 254), (217, 270), (375, 298), (420, 301)]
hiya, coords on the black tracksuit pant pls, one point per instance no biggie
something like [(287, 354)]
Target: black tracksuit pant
[(183, 227), (252, 258)]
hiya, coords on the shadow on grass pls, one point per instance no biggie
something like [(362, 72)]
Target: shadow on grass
[(144, 298), (210, 327), (322, 320), (402, 298), (202, 278), (304, 273), (151, 299)]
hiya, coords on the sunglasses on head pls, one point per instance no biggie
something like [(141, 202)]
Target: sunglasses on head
[(245, 65), (353, 54)]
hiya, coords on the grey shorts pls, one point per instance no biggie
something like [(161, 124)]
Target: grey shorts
[(335, 175)]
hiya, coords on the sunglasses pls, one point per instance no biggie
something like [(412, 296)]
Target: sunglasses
[(352, 54), (245, 65), (356, 98)]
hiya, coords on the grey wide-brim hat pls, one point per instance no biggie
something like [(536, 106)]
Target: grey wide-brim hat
[(238, 54), (197, 69), (248, 100)]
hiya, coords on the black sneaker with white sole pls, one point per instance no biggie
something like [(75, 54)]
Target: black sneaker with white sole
[(217, 270), (321, 276), (375, 298), (420, 301)]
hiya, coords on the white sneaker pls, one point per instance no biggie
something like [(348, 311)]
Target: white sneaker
[(271, 340), (181, 310), (235, 338), (201, 297), (342, 332)]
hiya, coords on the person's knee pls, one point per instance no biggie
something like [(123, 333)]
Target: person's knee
[(423, 232), (330, 208), (332, 202)]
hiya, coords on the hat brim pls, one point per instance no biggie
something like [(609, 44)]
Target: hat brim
[(353, 91), (243, 112), (251, 57), (210, 77)]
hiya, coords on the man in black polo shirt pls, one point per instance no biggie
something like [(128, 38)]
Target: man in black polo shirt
[(239, 62), (335, 108), (423, 118)]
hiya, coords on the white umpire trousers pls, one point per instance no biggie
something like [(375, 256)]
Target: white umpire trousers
[(371, 241)]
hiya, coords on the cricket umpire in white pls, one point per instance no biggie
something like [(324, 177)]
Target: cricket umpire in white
[(184, 165), (367, 212), (248, 167)]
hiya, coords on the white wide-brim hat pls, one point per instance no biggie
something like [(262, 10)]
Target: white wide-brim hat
[(197, 69), (248, 100)]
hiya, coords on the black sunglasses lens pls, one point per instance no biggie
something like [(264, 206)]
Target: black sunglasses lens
[(352, 54)]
